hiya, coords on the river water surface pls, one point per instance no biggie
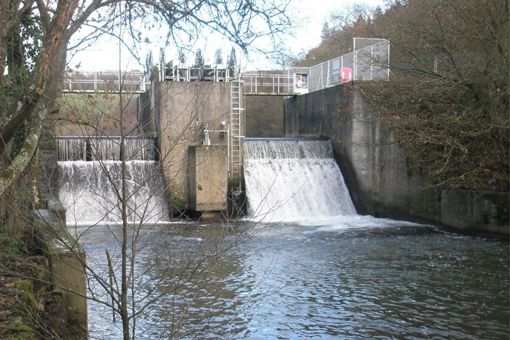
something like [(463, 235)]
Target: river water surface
[(340, 276), (360, 278)]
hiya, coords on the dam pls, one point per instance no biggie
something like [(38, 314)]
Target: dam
[(294, 179), (301, 264), (91, 175), (236, 237), (295, 271)]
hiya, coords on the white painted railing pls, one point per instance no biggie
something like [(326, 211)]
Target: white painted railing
[(369, 61), (105, 82), (264, 83)]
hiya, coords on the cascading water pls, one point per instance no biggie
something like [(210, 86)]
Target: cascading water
[(90, 190), (294, 180)]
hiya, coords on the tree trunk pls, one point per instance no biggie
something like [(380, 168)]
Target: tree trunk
[(18, 165), (44, 86)]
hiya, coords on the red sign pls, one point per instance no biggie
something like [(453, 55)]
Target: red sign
[(346, 74)]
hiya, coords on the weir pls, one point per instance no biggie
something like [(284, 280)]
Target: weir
[(294, 179), (93, 148), (91, 180)]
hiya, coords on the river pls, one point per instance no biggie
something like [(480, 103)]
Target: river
[(355, 278), (324, 273)]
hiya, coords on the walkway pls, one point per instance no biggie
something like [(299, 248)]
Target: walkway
[(368, 61)]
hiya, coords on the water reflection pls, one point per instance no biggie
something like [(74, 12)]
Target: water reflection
[(298, 281)]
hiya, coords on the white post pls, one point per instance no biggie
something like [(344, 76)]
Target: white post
[(321, 76), (388, 60), (354, 61), (371, 63), (288, 81), (327, 78), (340, 74)]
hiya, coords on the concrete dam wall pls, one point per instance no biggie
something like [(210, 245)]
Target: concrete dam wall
[(180, 115), (375, 170)]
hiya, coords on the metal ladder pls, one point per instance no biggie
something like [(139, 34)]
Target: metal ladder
[(236, 135)]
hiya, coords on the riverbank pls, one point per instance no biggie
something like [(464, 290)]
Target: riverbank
[(29, 308)]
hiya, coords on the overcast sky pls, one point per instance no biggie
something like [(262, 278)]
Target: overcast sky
[(312, 13)]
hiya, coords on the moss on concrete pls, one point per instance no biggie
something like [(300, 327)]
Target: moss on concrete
[(18, 330), (178, 204), (27, 308), (27, 294)]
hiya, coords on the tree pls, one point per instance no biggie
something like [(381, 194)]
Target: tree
[(338, 33), (119, 282), (447, 98), (34, 40), (33, 47)]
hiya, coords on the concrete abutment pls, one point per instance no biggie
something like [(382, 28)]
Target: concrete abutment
[(375, 170)]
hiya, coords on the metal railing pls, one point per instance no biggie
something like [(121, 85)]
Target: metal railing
[(263, 83), (367, 63), (105, 82), (216, 74)]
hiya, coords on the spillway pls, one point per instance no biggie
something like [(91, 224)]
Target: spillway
[(294, 180), (91, 181)]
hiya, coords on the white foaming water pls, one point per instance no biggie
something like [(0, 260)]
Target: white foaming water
[(294, 180), (90, 192)]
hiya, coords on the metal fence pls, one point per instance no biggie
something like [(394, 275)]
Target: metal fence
[(264, 83), (369, 62), (216, 74), (105, 81)]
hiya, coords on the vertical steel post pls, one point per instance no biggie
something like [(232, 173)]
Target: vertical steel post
[(327, 78), (388, 78), (354, 61), (371, 63)]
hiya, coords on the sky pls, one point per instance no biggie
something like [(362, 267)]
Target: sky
[(311, 13)]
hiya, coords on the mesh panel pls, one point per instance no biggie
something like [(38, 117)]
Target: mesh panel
[(369, 61)]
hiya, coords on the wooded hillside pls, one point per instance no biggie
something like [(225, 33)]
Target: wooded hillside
[(448, 95)]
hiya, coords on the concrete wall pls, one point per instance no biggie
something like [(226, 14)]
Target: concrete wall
[(208, 178), (67, 270), (179, 111), (374, 165)]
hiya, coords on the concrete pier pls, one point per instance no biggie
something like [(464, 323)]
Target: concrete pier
[(184, 117)]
